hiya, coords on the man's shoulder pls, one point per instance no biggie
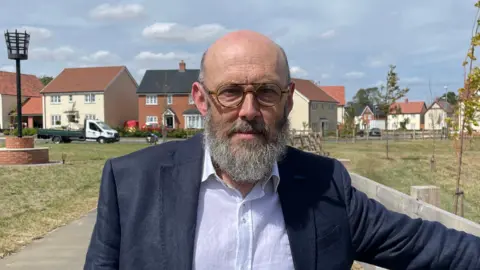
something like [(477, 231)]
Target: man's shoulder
[(312, 162), (166, 153)]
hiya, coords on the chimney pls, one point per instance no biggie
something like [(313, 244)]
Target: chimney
[(406, 100), (181, 66)]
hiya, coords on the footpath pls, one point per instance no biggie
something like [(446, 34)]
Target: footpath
[(62, 249)]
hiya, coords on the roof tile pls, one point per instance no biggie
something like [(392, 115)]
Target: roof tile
[(408, 107), (337, 92), (312, 91), (33, 106), (30, 84), (86, 79)]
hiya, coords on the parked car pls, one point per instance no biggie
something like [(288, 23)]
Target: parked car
[(93, 130), (375, 132)]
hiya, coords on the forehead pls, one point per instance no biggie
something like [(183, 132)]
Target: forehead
[(243, 65)]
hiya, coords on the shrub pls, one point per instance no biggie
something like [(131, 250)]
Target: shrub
[(25, 132)]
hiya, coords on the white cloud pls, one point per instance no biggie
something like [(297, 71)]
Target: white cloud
[(36, 33), (298, 71), (178, 32), (325, 76), (146, 56), (101, 56), (354, 75), (59, 54), (117, 12), (328, 34), (8, 68)]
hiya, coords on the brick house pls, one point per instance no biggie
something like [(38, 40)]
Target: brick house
[(164, 98), (32, 112), (31, 87)]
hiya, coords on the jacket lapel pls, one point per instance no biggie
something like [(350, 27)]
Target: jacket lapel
[(298, 215), (179, 189)]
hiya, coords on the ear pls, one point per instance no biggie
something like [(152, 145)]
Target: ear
[(291, 91), (199, 97)]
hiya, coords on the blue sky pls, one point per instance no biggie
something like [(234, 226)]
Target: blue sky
[(341, 42)]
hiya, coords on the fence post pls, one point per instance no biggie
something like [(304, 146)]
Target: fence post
[(428, 194)]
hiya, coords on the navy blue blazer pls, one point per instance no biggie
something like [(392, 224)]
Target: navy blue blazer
[(147, 209)]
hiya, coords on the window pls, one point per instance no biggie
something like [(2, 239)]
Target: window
[(332, 106), (190, 99), (90, 117), (90, 98), (314, 106), (152, 119), (56, 120), (70, 98), (193, 121), (169, 99), (151, 100), (55, 99)]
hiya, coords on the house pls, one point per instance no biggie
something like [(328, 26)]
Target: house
[(372, 117), (32, 111), (164, 98), (414, 111), (31, 87), (102, 93), (338, 93), (312, 108), (436, 115)]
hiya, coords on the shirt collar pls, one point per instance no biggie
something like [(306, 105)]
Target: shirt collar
[(209, 170)]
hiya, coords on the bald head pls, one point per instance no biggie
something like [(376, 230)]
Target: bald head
[(246, 52)]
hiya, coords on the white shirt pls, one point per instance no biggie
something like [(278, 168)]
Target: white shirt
[(236, 233)]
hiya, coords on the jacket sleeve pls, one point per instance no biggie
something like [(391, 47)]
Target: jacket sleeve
[(396, 241), (103, 251)]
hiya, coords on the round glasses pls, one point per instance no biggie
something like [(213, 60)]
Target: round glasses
[(232, 95)]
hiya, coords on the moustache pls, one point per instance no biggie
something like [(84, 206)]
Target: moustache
[(248, 126)]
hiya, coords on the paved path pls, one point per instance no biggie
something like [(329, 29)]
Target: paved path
[(62, 249)]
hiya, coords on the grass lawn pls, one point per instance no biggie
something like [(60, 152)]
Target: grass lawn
[(36, 200), (410, 165)]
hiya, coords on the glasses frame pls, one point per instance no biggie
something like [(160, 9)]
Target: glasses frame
[(256, 86)]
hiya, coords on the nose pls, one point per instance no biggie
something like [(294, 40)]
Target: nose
[(249, 108)]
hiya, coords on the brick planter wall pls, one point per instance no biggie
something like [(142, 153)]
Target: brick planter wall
[(15, 142), (23, 156)]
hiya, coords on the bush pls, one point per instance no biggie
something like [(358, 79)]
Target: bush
[(25, 132)]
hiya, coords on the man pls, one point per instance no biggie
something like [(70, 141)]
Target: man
[(237, 197)]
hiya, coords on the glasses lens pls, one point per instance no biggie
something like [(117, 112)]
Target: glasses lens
[(269, 94), (230, 95)]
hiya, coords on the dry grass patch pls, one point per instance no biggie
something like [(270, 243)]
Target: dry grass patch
[(36, 200), (410, 165)]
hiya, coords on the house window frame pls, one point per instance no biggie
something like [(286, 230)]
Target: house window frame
[(54, 118), (90, 116), (70, 98), (149, 117), (90, 99), (193, 121), (55, 99), (169, 99), (151, 100)]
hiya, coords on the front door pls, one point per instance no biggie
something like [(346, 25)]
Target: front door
[(169, 121)]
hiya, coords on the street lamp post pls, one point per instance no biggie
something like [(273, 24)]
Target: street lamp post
[(17, 49)]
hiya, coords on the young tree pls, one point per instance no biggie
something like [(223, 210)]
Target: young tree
[(388, 96), (467, 111)]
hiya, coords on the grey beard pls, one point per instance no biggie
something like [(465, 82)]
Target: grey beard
[(251, 161)]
